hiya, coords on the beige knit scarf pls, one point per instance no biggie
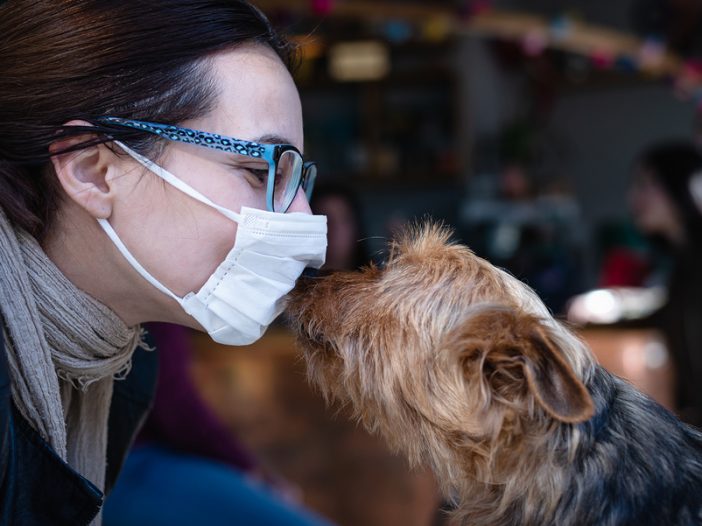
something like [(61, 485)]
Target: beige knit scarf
[(64, 350)]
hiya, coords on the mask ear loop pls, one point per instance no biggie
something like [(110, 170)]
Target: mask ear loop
[(107, 227), (180, 185)]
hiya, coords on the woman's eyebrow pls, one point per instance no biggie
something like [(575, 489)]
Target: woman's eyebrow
[(272, 139)]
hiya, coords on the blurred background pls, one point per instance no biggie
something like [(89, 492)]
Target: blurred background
[(530, 127)]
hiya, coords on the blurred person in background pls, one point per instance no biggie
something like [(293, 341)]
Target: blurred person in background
[(666, 204), (346, 248), (665, 198), (533, 233)]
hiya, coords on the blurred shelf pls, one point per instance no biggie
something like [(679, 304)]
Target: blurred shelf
[(637, 355)]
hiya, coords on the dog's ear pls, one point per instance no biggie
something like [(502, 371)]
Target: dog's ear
[(514, 356), (551, 380)]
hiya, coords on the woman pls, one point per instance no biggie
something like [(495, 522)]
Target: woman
[(666, 202), (111, 216)]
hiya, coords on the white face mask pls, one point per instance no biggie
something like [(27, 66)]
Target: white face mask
[(246, 291)]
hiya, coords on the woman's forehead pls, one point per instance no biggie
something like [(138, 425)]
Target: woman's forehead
[(256, 97)]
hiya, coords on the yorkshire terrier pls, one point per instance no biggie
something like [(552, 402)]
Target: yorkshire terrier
[(460, 366)]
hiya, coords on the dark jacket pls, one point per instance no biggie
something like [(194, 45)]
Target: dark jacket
[(680, 320), (37, 488), (180, 419)]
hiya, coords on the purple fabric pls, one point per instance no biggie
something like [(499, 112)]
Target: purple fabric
[(180, 418)]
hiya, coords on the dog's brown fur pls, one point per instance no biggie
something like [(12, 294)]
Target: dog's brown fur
[(460, 366)]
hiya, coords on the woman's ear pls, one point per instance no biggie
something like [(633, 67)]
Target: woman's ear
[(85, 174)]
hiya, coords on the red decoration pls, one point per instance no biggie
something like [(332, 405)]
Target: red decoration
[(322, 7), (474, 7), (689, 79), (602, 60), (693, 67), (534, 43), (624, 267)]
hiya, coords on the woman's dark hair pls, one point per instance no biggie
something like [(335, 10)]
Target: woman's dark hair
[(84, 59), (672, 164)]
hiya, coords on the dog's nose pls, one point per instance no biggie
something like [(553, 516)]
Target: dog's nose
[(310, 272), (303, 283), (309, 278)]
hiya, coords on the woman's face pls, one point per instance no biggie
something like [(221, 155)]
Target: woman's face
[(178, 239), (653, 211)]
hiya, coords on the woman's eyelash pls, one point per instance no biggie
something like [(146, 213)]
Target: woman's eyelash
[(260, 173)]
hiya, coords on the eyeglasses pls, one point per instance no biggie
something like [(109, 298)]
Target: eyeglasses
[(287, 171)]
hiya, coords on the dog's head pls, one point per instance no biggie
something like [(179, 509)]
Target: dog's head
[(439, 343)]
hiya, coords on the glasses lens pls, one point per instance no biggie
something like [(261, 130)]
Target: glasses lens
[(287, 180), (310, 178)]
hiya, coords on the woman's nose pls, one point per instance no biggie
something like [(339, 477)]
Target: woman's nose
[(300, 204)]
